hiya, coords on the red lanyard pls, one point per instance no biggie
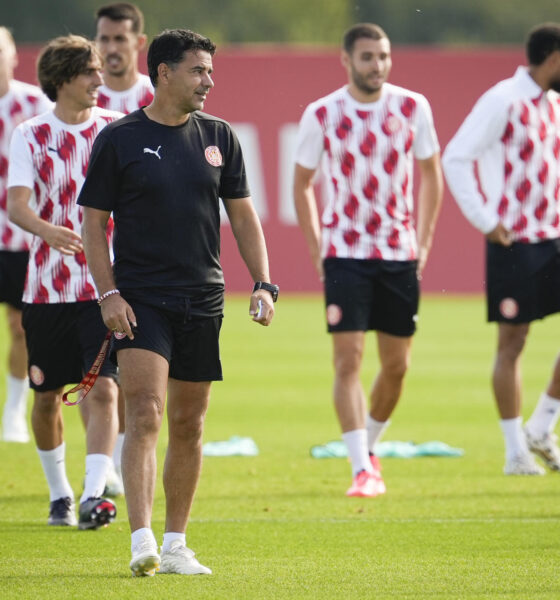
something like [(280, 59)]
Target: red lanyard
[(91, 376)]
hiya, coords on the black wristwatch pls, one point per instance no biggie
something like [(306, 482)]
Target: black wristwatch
[(269, 287)]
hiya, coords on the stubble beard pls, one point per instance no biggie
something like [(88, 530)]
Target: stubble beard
[(361, 83)]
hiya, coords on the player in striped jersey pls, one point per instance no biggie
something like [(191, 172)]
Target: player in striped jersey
[(366, 136), (120, 38), (512, 136), (18, 101), (49, 155)]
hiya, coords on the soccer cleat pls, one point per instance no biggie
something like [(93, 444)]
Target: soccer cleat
[(522, 464), (180, 560), (145, 559), (546, 447), (96, 512), (62, 513), (114, 484), (363, 485), (14, 426), (376, 465)]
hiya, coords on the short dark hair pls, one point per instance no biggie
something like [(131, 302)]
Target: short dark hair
[(63, 59), (362, 30), (542, 41), (123, 11), (170, 46)]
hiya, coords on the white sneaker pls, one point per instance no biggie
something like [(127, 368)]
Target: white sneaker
[(113, 484), (14, 426), (546, 447), (522, 464), (180, 559), (145, 559)]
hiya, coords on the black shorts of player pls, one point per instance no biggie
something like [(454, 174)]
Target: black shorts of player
[(13, 271), (63, 341), (189, 343), (362, 295), (522, 281)]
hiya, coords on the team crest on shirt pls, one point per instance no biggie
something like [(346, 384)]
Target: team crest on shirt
[(213, 156), (334, 314), (393, 124), (509, 309), (36, 375)]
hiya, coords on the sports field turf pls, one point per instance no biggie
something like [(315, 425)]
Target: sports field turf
[(278, 525)]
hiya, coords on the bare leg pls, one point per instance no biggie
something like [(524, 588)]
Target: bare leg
[(17, 360), (14, 418), (86, 410), (121, 411), (102, 424), (46, 419), (143, 377), (394, 356), (186, 409), (349, 397), (507, 369), (553, 388)]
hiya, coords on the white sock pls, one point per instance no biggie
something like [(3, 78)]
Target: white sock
[(118, 451), (514, 437), (97, 466), (54, 467), (16, 398), (545, 416), (169, 537), (375, 430), (138, 536), (356, 442)]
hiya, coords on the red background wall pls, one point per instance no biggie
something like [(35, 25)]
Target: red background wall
[(270, 88)]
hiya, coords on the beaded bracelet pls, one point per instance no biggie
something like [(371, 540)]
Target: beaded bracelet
[(106, 295)]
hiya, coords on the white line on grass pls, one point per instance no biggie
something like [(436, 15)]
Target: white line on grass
[(551, 520)]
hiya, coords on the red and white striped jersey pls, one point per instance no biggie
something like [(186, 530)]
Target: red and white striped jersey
[(139, 95), (367, 153), (512, 135), (51, 158), (21, 102)]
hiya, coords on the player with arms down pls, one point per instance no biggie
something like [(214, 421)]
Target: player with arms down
[(161, 171), (18, 101), (367, 135)]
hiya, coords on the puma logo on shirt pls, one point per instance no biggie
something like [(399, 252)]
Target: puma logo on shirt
[(150, 151)]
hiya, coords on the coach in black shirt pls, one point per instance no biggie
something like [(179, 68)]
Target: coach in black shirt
[(161, 171)]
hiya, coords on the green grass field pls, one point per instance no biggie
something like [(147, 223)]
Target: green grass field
[(278, 525)]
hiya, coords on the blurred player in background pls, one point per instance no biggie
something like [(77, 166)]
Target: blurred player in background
[(512, 136), (63, 329), (18, 101), (162, 170), (120, 38), (367, 135)]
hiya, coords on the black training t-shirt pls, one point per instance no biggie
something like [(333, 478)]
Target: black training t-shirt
[(163, 185)]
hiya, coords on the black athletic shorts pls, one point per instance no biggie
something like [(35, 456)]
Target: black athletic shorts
[(188, 342), (382, 295), (13, 271), (522, 281), (63, 341)]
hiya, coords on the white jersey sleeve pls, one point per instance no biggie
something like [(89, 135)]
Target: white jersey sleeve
[(20, 165), (425, 142), (482, 128), (309, 141)]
